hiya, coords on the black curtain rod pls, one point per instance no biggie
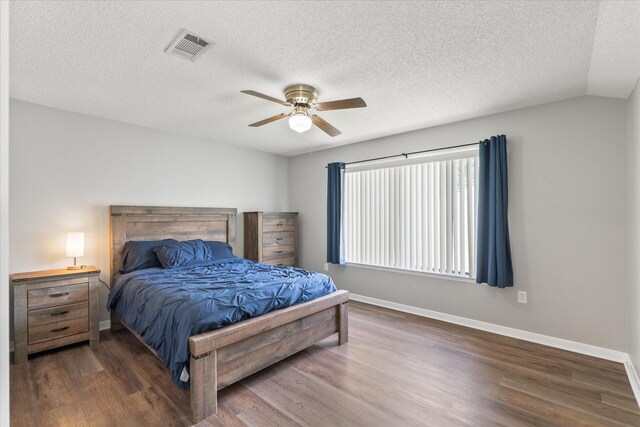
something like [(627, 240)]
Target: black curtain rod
[(406, 155)]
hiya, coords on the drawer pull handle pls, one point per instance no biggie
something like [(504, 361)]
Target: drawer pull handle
[(60, 313), (279, 225), (279, 252), (279, 238), (60, 329), (59, 294)]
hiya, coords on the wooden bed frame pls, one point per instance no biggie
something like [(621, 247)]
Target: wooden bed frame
[(223, 356)]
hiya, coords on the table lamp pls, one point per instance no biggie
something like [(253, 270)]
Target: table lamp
[(75, 248)]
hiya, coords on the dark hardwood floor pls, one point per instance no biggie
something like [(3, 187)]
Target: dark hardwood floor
[(396, 370)]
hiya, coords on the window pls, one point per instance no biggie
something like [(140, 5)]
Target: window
[(419, 216)]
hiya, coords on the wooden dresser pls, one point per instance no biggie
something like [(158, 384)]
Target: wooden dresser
[(271, 237), (53, 308)]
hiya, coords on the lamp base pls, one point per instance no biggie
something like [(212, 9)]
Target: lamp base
[(74, 267)]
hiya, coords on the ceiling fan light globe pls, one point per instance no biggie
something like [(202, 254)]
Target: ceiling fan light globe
[(300, 122)]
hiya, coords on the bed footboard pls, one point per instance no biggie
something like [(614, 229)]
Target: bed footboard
[(222, 357)]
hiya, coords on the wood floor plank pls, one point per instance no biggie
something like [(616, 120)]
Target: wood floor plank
[(222, 419), (52, 384), (22, 394), (265, 416), (415, 400), (103, 388), (151, 370), (113, 356), (571, 399), (405, 402), (66, 415), (599, 381), (149, 405), (79, 361), (313, 403), (553, 413), (110, 416), (626, 403), (396, 370), (250, 408)]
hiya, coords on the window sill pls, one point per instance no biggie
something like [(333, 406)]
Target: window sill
[(411, 272)]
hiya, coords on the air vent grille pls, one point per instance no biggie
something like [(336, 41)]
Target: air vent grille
[(187, 45)]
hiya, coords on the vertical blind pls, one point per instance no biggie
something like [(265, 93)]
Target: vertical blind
[(419, 217)]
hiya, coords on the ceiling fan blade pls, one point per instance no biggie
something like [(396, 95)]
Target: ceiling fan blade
[(326, 127), (341, 104), (267, 97), (269, 120)]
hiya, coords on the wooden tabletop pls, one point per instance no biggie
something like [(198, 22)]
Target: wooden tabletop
[(59, 272)]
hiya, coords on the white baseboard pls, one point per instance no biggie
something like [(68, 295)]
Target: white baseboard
[(633, 377)]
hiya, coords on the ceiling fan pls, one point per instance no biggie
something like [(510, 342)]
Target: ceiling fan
[(304, 100)]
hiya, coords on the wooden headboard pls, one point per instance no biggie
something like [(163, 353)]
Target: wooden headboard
[(157, 222)]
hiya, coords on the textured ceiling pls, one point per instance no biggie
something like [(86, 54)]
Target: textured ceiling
[(615, 64), (416, 64)]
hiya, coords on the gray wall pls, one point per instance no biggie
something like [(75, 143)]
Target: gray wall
[(567, 214), (633, 171), (67, 168)]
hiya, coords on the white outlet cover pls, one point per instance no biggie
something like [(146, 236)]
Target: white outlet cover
[(522, 297), (326, 266)]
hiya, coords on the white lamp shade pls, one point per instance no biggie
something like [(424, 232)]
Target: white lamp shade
[(75, 244), (300, 122)]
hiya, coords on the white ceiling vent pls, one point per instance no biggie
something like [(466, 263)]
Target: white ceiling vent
[(188, 45)]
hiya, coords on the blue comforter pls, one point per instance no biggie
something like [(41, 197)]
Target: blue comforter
[(166, 307)]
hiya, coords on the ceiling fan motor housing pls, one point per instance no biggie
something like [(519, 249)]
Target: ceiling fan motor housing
[(302, 95)]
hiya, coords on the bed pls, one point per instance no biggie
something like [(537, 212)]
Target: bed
[(222, 356)]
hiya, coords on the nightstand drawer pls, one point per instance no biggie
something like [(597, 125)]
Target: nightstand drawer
[(275, 252), (58, 314), (275, 238), (58, 329), (57, 295)]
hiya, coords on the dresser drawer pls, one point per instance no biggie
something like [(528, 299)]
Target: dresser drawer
[(58, 314), (277, 252), (58, 329), (278, 224), (278, 238), (57, 295), (281, 261)]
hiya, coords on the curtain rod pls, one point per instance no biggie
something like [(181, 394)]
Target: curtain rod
[(406, 155)]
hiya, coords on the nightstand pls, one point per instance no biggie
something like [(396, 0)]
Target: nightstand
[(53, 308)]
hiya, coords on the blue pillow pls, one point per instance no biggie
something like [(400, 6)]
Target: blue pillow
[(220, 250), (138, 255), (190, 253)]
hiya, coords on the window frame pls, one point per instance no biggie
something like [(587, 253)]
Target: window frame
[(453, 154)]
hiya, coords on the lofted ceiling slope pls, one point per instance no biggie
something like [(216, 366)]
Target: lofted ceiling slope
[(417, 64)]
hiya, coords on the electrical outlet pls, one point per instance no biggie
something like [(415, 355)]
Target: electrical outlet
[(326, 266), (522, 297)]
